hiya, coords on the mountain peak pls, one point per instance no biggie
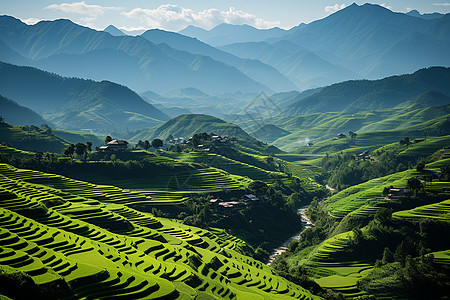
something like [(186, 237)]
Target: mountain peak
[(113, 30)]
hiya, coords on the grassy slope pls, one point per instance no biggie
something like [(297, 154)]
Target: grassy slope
[(80, 137), (437, 126), (321, 126), (30, 140), (94, 241), (186, 126)]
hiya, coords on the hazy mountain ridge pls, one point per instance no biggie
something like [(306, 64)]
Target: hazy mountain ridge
[(17, 114), (359, 35), (73, 103), (71, 50), (367, 41), (352, 96), (224, 34), (255, 69)]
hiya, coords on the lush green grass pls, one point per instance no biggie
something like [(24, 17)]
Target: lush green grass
[(90, 240)]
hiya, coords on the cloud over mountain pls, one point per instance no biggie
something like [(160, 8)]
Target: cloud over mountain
[(175, 17), (89, 11)]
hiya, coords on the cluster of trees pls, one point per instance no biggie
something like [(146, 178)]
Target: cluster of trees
[(79, 149), (156, 143)]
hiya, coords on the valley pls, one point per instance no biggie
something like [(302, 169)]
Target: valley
[(224, 161)]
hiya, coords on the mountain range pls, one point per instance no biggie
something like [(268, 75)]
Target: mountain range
[(73, 103), (358, 42), (71, 50), (224, 34), (367, 41), (356, 95)]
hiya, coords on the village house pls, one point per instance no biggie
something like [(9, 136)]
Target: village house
[(115, 145), (250, 198), (396, 193)]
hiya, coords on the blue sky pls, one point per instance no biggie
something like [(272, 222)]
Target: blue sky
[(175, 15)]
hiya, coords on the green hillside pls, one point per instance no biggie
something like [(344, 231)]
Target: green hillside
[(434, 127), (80, 137), (186, 126), (31, 138), (320, 126), (357, 248), (269, 133), (93, 245)]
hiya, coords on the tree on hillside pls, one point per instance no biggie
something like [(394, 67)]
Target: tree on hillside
[(420, 167), (108, 139), (414, 184), (258, 187), (157, 143), (39, 156), (147, 145), (89, 146), (140, 144), (352, 134), (81, 149), (405, 141), (69, 150)]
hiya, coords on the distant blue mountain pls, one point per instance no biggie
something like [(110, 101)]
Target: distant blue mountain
[(375, 42), (415, 13), (71, 50), (305, 68), (224, 34), (76, 104), (265, 74), (111, 29)]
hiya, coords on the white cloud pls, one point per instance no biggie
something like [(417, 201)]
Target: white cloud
[(442, 4), (90, 12), (174, 17), (334, 8)]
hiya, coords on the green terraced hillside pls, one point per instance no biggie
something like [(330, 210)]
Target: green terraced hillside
[(321, 126), (347, 256), (435, 127), (89, 241)]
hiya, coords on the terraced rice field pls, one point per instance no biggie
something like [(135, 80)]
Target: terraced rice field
[(229, 165), (205, 180), (365, 197), (436, 211), (89, 239), (340, 276)]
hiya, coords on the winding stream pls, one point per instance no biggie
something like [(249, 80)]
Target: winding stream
[(306, 223)]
